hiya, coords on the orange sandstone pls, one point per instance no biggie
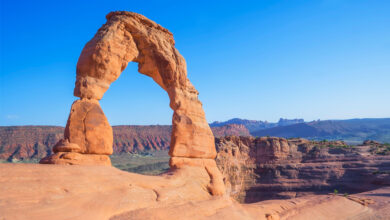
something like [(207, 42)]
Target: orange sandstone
[(124, 38)]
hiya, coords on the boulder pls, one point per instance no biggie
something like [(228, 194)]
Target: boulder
[(72, 158), (88, 127)]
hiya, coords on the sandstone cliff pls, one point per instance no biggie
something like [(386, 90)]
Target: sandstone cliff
[(28, 142), (269, 167)]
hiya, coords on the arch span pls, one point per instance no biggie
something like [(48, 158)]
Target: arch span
[(127, 37)]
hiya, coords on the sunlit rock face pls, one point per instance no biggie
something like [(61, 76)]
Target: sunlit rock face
[(124, 38)]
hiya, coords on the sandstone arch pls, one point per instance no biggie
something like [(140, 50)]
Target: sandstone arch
[(124, 38)]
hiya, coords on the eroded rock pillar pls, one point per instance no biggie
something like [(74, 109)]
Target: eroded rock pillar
[(88, 137)]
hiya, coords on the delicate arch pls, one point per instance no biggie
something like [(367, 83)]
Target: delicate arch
[(130, 37), (127, 37)]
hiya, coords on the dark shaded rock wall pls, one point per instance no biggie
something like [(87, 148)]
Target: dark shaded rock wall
[(269, 167)]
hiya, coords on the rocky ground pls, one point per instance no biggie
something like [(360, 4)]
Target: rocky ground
[(98, 192)]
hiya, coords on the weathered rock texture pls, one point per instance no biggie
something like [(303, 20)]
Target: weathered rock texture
[(130, 37), (101, 192), (274, 168), (87, 138), (124, 38)]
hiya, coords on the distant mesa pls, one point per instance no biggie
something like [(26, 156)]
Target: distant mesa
[(354, 131), (254, 125)]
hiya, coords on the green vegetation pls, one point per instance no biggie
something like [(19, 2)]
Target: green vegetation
[(330, 145), (383, 149), (341, 146), (335, 192), (148, 163), (377, 172)]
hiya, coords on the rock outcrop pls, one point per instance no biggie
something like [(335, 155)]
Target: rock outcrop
[(276, 168), (103, 192), (130, 37), (124, 38)]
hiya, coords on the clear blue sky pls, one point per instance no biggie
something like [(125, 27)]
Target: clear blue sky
[(314, 59)]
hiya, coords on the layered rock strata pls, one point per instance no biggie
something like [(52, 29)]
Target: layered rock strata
[(276, 168), (124, 38)]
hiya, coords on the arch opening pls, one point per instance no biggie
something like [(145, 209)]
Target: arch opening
[(134, 99)]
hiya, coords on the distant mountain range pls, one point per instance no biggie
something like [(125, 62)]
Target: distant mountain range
[(35, 142), (253, 125), (352, 130)]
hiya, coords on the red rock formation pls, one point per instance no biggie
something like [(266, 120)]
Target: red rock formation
[(87, 139), (28, 142), (130, 37), (237, 166), (124, 38), (269, 167), (102, 192), (92, 134), (133, 139)]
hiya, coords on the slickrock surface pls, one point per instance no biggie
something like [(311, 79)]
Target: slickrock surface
[(38, 191), (378, 200), (256, 169)]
